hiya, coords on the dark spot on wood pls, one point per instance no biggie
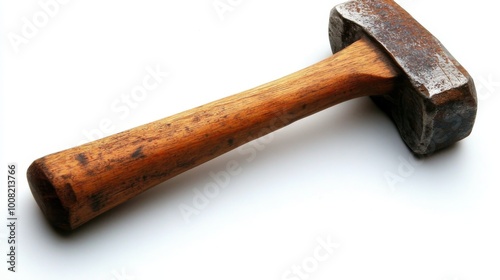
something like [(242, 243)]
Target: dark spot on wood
[(230, 142), (82, 159), (97, 201), (214, 150), (186, 163), (304, 106), (138, 153), (196, 119), (169, 125), (188, 129), (144, 178), (69, 193)]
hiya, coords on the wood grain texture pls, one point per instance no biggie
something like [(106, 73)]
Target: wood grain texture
[(75, 185)]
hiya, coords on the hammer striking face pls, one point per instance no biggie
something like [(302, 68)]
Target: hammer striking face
[(379, 51), (435, 103)]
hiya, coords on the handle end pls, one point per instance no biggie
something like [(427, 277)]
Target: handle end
[(46, 196)]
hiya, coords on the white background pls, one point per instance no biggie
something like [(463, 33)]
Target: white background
[(323, 179)]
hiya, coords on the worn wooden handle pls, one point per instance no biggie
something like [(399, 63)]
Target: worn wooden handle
[(75, 185)]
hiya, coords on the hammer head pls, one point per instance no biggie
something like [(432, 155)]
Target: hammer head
[(435, 103)]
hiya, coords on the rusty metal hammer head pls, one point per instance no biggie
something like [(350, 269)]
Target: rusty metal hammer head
[(435, 104)]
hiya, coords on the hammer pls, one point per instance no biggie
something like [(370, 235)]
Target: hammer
[(379, 51)]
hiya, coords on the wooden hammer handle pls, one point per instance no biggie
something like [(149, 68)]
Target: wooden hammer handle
[(75, 185)]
